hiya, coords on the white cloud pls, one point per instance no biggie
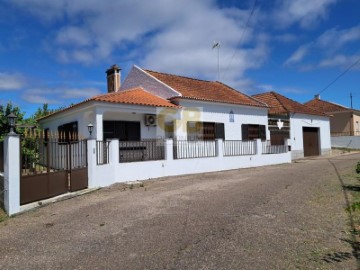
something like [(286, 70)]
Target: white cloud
[(58, 95), (334, 39), (11, 81), (298, 55), (327, 46), (306, 13), (340, 61), (70, 93), (172, 36)]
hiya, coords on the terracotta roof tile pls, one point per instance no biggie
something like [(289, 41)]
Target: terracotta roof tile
[(190, 88), (280, 104), (325, 106), (134, 96)]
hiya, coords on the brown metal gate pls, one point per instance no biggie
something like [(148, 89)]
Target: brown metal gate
[(311, 141), (51, 166)]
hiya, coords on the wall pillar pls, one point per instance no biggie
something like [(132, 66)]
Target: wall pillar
[(169, 149), (114, 158), (91, 159), (12, 174), (219, 149), (258, 147), (114, 151)]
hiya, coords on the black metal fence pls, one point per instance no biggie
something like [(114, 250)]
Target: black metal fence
[(102, 152), (194, 149), (267, 148), (44, 155), (239, 148), (144, 150)]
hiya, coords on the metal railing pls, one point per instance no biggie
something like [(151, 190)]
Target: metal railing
[(144, 150), (194, 149), (239, 148), (102, 152), (43, 156), (267, 148)]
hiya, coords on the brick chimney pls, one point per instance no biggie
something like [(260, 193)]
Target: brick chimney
[(113, 78), (317, 96)]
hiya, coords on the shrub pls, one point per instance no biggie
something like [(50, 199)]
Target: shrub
[(358, 167)]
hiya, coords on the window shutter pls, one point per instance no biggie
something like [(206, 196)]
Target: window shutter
[(219, 131), (244, 132), (262, 131), (133, 131)]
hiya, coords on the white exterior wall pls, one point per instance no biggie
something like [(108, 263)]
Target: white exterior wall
[(80, 115), (98, 112), (219, 113), (297, 122), (137, 77)]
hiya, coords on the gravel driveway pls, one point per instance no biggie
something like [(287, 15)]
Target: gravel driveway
[(277, 217)]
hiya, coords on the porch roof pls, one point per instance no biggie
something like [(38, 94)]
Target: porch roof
[(134, 96)]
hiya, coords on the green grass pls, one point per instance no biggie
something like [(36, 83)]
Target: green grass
[(3, 215)]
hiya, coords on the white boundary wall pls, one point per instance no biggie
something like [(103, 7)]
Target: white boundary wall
[(352, 142), (115, 172)]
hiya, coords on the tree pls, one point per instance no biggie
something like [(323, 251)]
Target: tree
[(4, 112)]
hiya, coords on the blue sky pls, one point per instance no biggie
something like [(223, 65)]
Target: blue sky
[(56, 52)]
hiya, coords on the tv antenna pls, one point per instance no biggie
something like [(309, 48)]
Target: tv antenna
[(217, 45)]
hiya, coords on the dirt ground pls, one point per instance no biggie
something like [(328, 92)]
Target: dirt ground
[(289, 216)]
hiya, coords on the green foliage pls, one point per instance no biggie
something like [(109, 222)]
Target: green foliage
[(354, 206), (4, 112), (358, 167)]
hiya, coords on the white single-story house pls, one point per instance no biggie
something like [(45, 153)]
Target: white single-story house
[(157, 105), (167, 121), (307, 128)]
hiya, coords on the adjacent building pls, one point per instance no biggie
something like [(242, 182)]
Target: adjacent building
[(344, 121), (308, 129)]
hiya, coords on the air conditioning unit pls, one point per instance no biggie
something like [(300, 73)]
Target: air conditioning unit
[(150, 120)]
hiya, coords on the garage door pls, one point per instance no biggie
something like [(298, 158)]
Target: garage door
[(311, 141)]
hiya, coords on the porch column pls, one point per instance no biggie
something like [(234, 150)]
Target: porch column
[(12, 174), (99, 126)]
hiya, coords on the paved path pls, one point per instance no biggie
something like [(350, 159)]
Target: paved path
[(278, 217)]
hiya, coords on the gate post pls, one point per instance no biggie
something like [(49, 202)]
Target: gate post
[(12, 174), (91, 161)]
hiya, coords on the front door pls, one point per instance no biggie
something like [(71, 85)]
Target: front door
[(311, 141)]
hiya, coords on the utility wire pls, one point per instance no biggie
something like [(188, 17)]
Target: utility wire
[(342, 74), (242, 35)]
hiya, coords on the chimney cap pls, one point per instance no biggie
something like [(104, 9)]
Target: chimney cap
[(113, 69), (317, 96)]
